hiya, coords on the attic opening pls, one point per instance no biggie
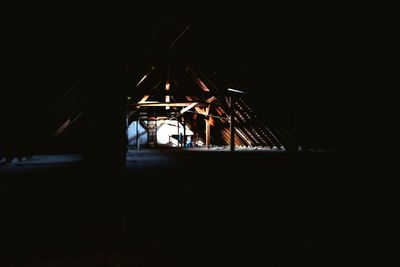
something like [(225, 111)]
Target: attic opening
[(180, 106)]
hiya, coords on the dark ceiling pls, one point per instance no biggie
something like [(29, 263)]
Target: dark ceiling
[(315, 62)]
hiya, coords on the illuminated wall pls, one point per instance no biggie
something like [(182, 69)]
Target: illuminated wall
[(167, 129), (132, 134), (166, 134)]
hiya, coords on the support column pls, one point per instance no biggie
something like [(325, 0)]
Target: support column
[(178, 136), (194, 130), (184, 131), (104, 88), (137, 133), (208, 132), (156, 141), (232, 123)]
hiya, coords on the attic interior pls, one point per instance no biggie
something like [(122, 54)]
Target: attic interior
[(163, 139), (180, 113)]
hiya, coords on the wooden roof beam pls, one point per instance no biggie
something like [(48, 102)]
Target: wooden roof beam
[(169, 104)]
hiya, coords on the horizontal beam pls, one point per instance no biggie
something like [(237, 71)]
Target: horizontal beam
[(168, 104), (172, 92)]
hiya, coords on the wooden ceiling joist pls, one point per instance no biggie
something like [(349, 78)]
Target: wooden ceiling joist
[(169, 104)]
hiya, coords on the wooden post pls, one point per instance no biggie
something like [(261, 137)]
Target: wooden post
[(137, 133), (184, 131), (208, 128), (194, 130), (232, 123), (105, 87), (208, 132), (156, 141)]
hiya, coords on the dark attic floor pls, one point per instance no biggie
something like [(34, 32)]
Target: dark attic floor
[(201, 208)]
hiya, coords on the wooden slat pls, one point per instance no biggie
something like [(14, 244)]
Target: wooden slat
[(164, 104)]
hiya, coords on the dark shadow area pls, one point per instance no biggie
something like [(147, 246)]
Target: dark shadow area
[(239, 208)]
